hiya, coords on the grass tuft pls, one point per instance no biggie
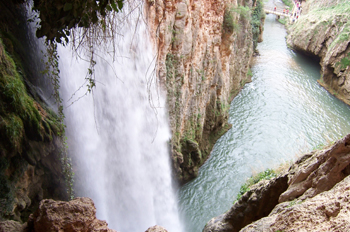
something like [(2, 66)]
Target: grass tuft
[(265, 175)]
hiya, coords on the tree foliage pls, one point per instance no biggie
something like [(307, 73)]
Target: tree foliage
[(257, 14), (58, 17)]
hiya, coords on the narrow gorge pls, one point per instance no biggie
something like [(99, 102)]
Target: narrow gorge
[(312, 193)]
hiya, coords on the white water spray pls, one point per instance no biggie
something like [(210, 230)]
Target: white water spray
[(118, 140)]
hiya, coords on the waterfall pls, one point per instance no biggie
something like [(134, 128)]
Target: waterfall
[(118, 135)]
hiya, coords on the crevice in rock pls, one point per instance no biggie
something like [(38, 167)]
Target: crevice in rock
[(255, 204), (346, 171)]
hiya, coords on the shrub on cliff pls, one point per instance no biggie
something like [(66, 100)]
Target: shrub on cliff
[(257, 15), (231, 24), (265, 175)]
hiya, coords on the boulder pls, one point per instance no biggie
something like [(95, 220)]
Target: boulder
[(156, 229), (11, 226), (73, 216)]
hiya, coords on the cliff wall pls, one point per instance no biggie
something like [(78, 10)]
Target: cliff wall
[(204, 51), (312, 195), (323, 30), (30, 166)]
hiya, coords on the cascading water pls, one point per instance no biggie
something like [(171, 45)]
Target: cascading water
[(117, 137)]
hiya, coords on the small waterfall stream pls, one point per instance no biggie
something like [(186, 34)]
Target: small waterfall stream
[(118, 135)]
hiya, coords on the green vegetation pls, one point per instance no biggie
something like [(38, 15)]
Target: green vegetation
[(265, 175), (243, 11), (58, 17), (282, 20), (344, 63), (21, 118), (257, 15), (294, 202), (326, 16), (229, 24), (232, 16), (249, 73), (288, 3), (19, 113)]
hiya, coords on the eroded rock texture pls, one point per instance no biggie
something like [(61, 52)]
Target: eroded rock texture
[(156, 229), (328, 211), (11, 226), (78, 215), (253, 205), (204, 50), (314, 198), (323, 31)]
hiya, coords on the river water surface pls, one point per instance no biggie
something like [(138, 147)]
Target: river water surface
[(282, 113)]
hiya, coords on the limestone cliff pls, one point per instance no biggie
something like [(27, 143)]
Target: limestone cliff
[(323, 30), (30, 168), (204, 51), (312, 196)]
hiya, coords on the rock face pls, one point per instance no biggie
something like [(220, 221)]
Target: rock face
[(30, 168), (254, 204), (323, 31), (204, 50), (328, 211), (318, 171), (78, 215), (315, 197)]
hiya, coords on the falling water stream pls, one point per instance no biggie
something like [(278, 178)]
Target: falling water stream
[(282, 113), (118, 134)]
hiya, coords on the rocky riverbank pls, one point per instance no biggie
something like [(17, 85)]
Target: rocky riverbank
[(204, 51), (312, 195), (323, 31)]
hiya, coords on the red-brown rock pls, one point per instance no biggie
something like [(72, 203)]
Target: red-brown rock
[(73, 216)]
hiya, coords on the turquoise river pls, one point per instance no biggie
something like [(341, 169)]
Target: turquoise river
[(280, 115)]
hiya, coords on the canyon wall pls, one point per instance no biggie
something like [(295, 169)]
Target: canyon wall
[(313, 195), (30, 148), (204, 50), (323, 31)]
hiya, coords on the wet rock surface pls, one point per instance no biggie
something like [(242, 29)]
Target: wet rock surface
[(314, 197)]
